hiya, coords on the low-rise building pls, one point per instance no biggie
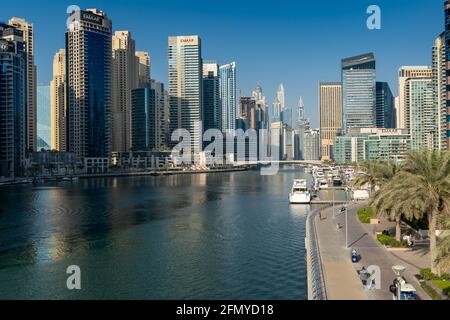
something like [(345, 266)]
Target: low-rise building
[(372, 144)]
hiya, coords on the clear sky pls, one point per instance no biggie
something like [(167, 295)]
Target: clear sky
[(299, 43)]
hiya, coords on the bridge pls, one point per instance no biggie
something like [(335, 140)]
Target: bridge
[(280, 162)]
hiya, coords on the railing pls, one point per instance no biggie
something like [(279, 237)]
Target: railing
[(316, 280)]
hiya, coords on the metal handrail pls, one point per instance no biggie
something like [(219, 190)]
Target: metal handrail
[(316, 279)]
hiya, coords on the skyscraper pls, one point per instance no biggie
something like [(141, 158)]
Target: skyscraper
[(89, 80), (440, 87), (185, 86), (144, 68), (125, 79), (248, 112), (312, 145), (149, 117), (447, 50), (13, 85), (58, 102), (404, 73), (330, 109), (358, 92), (385, 106), (211, 96), (31, 113), (421, 119), (227, 76), (261, 106)]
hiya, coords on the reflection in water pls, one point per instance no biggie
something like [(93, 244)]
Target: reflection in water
[(216, 236)]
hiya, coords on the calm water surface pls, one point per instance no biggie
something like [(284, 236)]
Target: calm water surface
[(216, 236)]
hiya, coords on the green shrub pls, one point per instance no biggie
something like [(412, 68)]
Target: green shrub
[(365, 214), (430, 291), (427, 274), (445, 276), (391, 242), (447, 291)]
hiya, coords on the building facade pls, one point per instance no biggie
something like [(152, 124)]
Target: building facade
[(422, 119), (358, 92), (43, 103), (13, 104), (185, 86), (447, 59), (362, 144), (31, 102), (227, 82), (58, 102), (405, 73), (125, 78), (89, 81), (440, 86), (144, 68), (150, 117), (330, 109), (312, 145), (385, 106), (211, 96)]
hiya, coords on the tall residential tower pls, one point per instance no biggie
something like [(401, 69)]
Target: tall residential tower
[(89, 81)]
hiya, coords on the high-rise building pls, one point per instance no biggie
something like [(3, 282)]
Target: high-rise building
[(13, 88), (89, 81), (125, 79), (144, 68), (149, 117), (31, 112), (404, 74), (312, 145), (211, 96), (248, 111), (358, 92), (227, 76), (58, 101), (185, 86), (440, 87), (43, 118), (281, 97), (385, 106), (330, 108), (397, 112), (422, 116), (261, 106), (447, 49)]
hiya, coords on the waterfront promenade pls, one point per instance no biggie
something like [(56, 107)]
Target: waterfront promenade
[(341, 279)]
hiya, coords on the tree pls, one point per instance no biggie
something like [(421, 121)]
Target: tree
[(443, 248), (421, 190)]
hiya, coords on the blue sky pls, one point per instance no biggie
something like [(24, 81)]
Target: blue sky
[(299, 43)]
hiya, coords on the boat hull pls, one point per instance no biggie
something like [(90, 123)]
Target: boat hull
[(299, 198)]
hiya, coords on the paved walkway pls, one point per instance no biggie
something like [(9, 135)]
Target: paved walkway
[(342, 282), (341, 277)]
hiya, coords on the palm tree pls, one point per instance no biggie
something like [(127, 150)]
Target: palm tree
[(370, 176), (422, 190), (443, 248), (385, 202)]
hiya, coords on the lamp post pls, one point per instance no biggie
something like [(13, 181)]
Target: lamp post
[(346, 228)]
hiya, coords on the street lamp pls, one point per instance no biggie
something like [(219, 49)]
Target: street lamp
[(346, 227)]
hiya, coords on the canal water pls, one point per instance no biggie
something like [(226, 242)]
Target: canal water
[(215, 236)]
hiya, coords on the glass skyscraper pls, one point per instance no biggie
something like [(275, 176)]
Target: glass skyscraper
[(211, 98), (185, 86), (359, 92), (89, 81), (13, 136), (227, 76), (385, 110)]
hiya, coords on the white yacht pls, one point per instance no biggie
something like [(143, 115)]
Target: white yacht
[(300, 193)]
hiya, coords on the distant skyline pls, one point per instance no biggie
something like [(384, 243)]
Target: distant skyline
[(297, 43)]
